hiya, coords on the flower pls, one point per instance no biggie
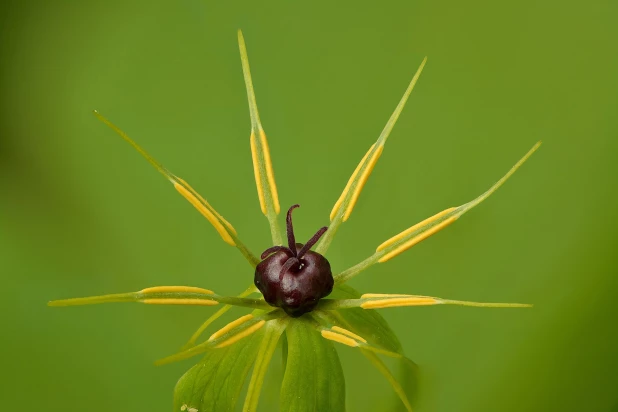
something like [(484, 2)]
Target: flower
[(313, 378)]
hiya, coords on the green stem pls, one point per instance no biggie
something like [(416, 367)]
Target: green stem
[(275, 230), (251, 258), (326, 240)]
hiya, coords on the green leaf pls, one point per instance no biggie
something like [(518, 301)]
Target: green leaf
[(313, 380), (367, 323), (214, 384)]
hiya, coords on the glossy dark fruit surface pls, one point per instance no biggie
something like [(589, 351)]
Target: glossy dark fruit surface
[(294, 278)]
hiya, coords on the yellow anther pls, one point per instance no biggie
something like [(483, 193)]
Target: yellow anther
[(260, 153), (333, 213), (384, 295), (173, 289), (241, 335), (256, 172), (208, 214), (406, 232), (230, 326), (390, 303), (417, 239), (337, 337), (362, 180), (200, 302), (221, 218), (347, 332), (269, 171)]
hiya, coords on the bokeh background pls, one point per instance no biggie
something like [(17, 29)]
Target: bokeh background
[(81, 213)]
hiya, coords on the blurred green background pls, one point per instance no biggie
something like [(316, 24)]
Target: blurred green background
[(81, 213)]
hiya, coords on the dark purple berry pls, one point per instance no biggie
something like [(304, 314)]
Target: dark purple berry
[(294, 278)]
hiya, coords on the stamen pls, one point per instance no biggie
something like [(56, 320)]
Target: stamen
[(385, 295), (171, 289), (201, 198), (417, 239), (333, 213), (413, 228), (269, 171), (287, 266), (290, 230), (241, 335), (177, 301), (162, 301), (230, 326), (337, 337), (273, 249), (307, 246), (395, 302), (371, 162), (347, 332), (256, 173), (260, 153), (207, 213)]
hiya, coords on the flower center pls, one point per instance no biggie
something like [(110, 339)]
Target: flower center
[(294, 278)]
